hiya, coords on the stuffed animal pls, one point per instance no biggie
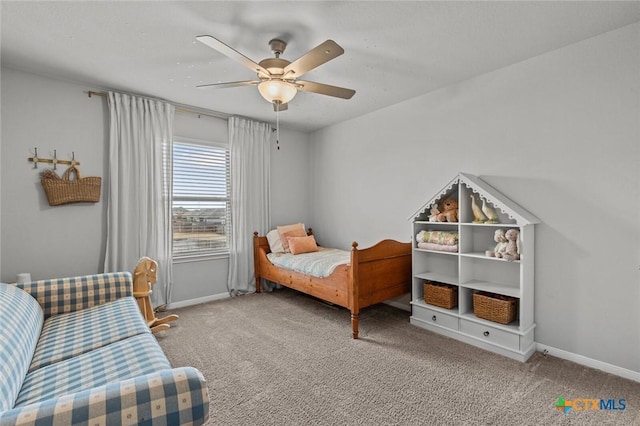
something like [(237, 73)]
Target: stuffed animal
[(434, 214), (500, 238), (512, 251), (449, 211)]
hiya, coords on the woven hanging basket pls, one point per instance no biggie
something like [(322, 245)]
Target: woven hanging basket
[(63, 190)]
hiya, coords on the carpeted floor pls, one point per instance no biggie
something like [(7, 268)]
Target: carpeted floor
[(284, 358)]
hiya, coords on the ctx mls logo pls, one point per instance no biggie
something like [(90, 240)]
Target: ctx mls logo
[(590, 404)]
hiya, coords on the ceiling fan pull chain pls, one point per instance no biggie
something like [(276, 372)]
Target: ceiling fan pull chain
[(278, 126)]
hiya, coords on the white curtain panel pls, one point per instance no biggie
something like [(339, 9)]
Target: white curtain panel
[(250, 170), (139, 190)]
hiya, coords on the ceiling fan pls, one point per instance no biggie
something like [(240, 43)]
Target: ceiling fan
[(278, 78)]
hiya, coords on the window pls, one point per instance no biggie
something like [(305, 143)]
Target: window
[(201, 206)]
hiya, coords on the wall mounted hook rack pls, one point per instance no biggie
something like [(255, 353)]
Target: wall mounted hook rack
[(55, 161)]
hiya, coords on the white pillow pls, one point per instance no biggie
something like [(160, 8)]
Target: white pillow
[(275, 243)]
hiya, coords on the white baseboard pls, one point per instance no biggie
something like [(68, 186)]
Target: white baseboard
[(197, 301), (589, 362)]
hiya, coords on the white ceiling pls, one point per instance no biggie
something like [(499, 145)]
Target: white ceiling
[(393, 50)]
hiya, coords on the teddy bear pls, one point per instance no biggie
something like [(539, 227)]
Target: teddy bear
[(449, 211), (512, 251)]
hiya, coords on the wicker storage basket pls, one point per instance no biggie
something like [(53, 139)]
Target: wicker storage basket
[(442, 295), (496, 308), (63, 190)]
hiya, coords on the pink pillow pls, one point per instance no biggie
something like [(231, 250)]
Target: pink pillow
[(299, 245), (296, 230)]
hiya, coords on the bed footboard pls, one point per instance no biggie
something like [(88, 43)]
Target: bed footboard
[(380, 272)]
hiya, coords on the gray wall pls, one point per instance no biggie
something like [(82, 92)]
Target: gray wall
[(559, 134), (69, 240), (49, 241)]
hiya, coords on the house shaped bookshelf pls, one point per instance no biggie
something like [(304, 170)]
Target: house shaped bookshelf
[(489, 298)]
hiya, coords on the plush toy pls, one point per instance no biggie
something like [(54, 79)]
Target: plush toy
[(434, 214), (512, 251), (501, 247), (449, 211)]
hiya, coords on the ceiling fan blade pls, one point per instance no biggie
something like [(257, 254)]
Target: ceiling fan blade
[(324, 89), (230, 52), (280, 107), (315, 57), (229, 84)]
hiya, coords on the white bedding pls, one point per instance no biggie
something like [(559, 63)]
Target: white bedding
[(320, 264)]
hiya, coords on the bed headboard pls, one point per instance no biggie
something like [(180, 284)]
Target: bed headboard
[(261, 242)]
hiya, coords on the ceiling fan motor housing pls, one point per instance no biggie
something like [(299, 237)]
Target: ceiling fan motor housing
[(277, 46), (275, 66)]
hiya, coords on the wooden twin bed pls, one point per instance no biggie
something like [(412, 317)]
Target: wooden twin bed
[(373, 275)]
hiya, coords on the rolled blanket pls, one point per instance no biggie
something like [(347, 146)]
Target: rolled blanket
[(438, 247), (447, 238)]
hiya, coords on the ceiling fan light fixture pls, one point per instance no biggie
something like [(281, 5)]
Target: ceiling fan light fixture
[(277, 90)]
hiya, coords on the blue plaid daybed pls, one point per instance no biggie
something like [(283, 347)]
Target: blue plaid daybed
[(78, 351)]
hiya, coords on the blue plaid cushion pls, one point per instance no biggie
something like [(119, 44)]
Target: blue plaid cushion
[(74, 293), (168, 397), (68, 335), (20, 326), (128, 358)]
